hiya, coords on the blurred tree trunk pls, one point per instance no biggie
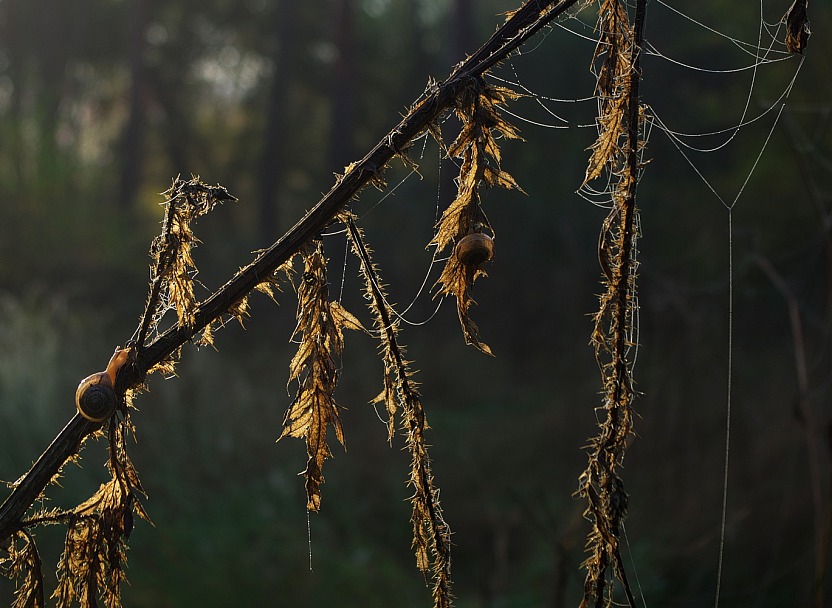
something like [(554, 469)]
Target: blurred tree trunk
[(11, 145), (341, 147), (37, 51), (285, 15), (52, 54), (132, 143), (178, 131), (421, 64), (463, 30)]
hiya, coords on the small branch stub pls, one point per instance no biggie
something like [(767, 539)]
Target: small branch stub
[(95, 396)]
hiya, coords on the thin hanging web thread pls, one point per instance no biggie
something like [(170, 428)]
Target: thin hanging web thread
[(730, 208), (761, 57), (675, 138), (434, 259), (728, 409), (633, 561), (309, 538)]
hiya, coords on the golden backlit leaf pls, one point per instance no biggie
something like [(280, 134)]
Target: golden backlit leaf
[(299, 361), (495, 178), (388, 397), (343, 318), (21, 562), (431, 535), (94, 558), (319, 333), (605, 148)]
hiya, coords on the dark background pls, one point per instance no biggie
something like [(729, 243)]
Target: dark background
[(103, 102)]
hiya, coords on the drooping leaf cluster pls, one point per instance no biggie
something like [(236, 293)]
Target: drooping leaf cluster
[(319, 332), (92, 565), (95, 550), (174, 269), (431, 535), (797, 26), (478, 108), (617, 152), (23, 564), (614, 80)]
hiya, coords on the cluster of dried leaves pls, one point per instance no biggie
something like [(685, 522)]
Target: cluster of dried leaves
[(431, 535), (93, 561), (174, 269), (797, 26), (94, 558), (92, 565), (477, 108), (319, 331), (616, 152), (320, 337)]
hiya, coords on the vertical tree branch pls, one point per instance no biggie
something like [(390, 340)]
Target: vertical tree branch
[(600, 485)]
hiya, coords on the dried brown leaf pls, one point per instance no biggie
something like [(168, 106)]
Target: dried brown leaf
[(319, 333), (797, 26), (174, 266), (606, 149), (431, 535), (341, 317), (23, 565)]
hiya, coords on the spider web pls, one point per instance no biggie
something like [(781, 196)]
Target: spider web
[(758, 117), (741, 63)]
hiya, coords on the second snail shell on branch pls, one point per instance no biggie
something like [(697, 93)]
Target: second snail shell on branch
[(95, 396), (474, 249)]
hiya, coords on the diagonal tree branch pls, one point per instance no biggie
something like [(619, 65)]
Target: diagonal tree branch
[(439, 98)]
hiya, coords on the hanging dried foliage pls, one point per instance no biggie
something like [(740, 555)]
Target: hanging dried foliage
[(477, 107), (797, 26), (431, 535), (174, 268), (92, 566), (94, 559), (320, 341), (23, 564), (614, 80), (617, 152), (93, 562), (95, 549)]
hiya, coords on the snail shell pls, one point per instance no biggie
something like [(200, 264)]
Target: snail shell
[(95, 397), (474, 249)]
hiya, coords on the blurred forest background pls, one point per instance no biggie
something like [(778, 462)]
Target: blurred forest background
[(103, 102)]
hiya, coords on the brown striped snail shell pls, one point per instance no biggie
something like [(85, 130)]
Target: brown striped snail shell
[(95, 397), (474, 249)]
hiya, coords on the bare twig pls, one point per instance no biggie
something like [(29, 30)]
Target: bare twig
[(162, 263)]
